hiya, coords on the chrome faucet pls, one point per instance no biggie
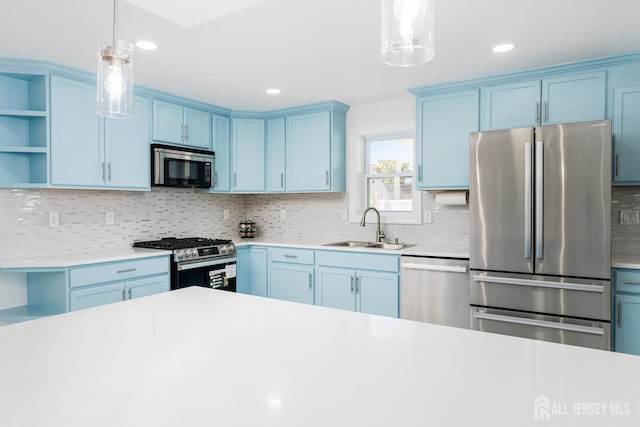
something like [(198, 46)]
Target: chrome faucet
[(379, 232)]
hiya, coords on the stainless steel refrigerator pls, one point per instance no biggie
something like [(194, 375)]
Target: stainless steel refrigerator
[(540, 251)]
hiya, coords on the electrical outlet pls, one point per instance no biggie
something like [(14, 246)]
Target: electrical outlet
[(426, 217), (283, 214), (226, 214), (344, 215), (110, 218), (629, 216), (54, 219)]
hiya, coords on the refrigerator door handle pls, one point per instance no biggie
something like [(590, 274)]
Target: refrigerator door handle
[(527, 200), (540, 283), (539, 323), (539, 199)]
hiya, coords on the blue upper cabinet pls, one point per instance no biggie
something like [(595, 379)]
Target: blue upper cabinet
[(23, 130), (511, 106), (77, 149), (563, 99), (196, 127), (624, 96), (276, 155), (127, 148), (93, 152), (222, 149), (626, 135), (176, 124), (574, 98), (442, 139), (316, 150), (309, 152), (248, 154)]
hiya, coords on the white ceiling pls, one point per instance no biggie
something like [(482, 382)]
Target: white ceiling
[(314, 50)]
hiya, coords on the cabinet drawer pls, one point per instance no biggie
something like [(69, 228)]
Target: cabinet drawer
[(364, 261), (627, 281), (291, 255), (122, 270)]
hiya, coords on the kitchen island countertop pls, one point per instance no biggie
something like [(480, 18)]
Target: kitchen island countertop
[(200, 357)]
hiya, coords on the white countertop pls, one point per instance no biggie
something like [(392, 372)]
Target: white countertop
[(416, 250), (625, 261), (200, 357), (63, 260)]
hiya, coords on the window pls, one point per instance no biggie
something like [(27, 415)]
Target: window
[(381, 160), (390, 173)]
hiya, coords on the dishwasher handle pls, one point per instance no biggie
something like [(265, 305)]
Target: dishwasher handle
[(429, 267)]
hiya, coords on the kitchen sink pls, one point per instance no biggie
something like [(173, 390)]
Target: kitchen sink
[(375, 245), (350, 244)]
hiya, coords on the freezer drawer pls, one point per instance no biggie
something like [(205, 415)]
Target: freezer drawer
[(583, 333), (562, 296), (435, 290)]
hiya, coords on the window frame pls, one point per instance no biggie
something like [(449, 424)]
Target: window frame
[(358, 174)]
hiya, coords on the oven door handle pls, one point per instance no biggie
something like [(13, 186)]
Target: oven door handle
[(539, 323), (208, 263)]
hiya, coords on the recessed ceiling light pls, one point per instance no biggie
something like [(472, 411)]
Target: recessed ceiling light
[(146, 45), (273, 91), (501, 48)]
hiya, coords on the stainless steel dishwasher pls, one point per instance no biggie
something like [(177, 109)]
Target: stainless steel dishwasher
[(435, 290)]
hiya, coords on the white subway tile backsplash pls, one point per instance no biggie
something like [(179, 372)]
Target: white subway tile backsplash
[(310, 218)]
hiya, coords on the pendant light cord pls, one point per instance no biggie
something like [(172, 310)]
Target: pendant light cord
[(115, 23)]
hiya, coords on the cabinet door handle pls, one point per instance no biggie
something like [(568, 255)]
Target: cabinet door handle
[(281, 180), (235, 179), (545, 109), (326, 177), (619, 315), (631, 282), (215, 179), (419, 173), (537, 112), (357, 284), (109, 171), (617, 164), (310, 280), (182, 133), (123, 295), (186, 133), (290, 256), (103, 171), (128, 270), (129, 293), (352, 278)]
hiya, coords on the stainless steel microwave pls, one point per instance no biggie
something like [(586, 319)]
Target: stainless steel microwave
[(181, 167)]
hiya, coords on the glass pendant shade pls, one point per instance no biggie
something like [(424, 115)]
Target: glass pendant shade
[(115, 79), (407, 32)]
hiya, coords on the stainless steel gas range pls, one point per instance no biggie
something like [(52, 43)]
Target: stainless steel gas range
[(209, 263)]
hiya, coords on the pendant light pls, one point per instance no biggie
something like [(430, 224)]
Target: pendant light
[(115, 75), (407, 32)]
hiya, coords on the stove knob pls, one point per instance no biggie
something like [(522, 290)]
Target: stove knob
[(180, 254), (223, 250), (193, 252)]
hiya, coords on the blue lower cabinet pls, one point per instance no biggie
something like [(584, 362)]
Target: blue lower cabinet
[(625, 321), (144, 287), (377, 293), (336, 288), (291, 282), (97, 295), (369, 292), (627, 324), (252, 271)]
